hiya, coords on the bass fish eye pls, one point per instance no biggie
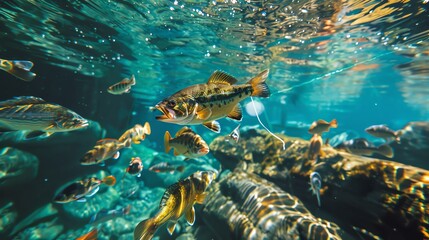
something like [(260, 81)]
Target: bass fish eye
[(171, 103)]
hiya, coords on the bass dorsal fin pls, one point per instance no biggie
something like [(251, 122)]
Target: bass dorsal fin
[(219, 77), (183, 130), (21, 101)]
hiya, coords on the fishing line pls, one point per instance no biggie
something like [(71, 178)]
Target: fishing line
[(330, 73), (259, 120)]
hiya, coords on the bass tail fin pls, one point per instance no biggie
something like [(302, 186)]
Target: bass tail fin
[(260, 88), (145, 229), (167, 138)]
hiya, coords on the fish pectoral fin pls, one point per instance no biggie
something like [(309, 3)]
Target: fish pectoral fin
[(219, 77), (200, 198), (92, 192), (190, 216), (236, 113), (213, 125), (176, 153), (170, 227), (204, 113)]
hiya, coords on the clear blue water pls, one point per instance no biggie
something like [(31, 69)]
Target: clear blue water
[(360, 62)]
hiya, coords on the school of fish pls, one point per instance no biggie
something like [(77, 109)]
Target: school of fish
[(203, 104)]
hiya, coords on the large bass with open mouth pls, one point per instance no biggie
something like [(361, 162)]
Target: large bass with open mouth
[(205, 103)]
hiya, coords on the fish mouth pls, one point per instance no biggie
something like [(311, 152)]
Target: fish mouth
[(168, 113), (204, 150), (82, 124)]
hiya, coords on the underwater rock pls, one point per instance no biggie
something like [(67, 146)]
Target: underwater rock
[(44, 231), (413, 148), (8, 216), (38, 215), (16, 166), (245, 206), (387, 199)]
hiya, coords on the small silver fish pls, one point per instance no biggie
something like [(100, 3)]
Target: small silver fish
[(316, 185), (235, 134), (123, 86)]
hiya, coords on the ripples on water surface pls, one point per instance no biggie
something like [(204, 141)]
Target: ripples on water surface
[(166, 42)]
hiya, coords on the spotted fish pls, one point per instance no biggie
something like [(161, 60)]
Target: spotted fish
[(178, 200), (207, 102)]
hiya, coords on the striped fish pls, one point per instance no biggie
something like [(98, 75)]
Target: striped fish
[(104, 149), (123, 86), (205, 103), (178, 200), (34, 114), (19, 69), (186, 143)]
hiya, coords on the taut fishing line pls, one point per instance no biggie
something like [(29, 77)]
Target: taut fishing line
[(308, 82), (331, 73)]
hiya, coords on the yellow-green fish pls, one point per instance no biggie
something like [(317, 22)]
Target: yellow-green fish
[(178, 200), (123, 86), (207, 102), (186, 143), (34, 114), (320, 126), (104, 149), (77, 191), (19, 69), (137, 133)]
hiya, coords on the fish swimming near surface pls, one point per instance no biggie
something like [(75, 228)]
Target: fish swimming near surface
[(105, 215), (320, 126), (164, 167), (361, 146), (315, 148), (92, 235), (178, 200), (87, 187), (34, 114), (382, 131), (19, 69), (104, 149), (186, 143), (123, 86), (316, 185), (207, 102), (137, 133)]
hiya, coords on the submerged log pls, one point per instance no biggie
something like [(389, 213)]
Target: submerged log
[(381, 198), (245, 206)]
